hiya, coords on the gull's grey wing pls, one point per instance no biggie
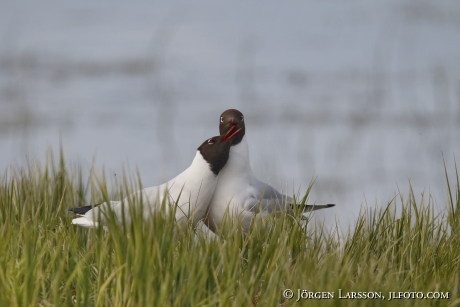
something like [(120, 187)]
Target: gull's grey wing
[(266, 191), (270, 199)]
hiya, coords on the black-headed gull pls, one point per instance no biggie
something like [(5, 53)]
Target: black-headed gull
[(238, 191), (190, 191)]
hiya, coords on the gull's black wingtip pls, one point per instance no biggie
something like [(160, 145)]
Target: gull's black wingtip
[(81, 210), (330, 205)]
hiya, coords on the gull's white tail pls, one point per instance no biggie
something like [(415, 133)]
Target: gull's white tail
[(84, 222)]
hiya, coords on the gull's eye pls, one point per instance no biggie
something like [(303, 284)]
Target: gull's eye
[(242, 118), (211, 141), (221, 119)]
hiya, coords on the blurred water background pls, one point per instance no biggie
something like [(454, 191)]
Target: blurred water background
[(363, 95)]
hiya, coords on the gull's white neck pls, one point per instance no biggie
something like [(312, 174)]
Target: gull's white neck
[(238, 161), (200, 165)]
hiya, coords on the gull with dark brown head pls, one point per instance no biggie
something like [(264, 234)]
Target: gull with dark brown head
[(238, 191), (190, 191)]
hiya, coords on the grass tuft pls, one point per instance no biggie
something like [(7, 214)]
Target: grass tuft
[(46, 261)]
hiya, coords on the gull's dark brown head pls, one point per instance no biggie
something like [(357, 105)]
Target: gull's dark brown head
[(216, 150), (232, 120)]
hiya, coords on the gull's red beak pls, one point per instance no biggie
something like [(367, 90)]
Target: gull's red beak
[(230, 134)]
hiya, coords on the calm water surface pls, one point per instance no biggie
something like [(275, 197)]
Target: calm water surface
[(362, 95)]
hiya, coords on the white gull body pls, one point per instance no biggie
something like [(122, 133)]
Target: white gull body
[(190, 191)]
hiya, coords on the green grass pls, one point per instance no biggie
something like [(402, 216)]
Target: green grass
[(46, 261)]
